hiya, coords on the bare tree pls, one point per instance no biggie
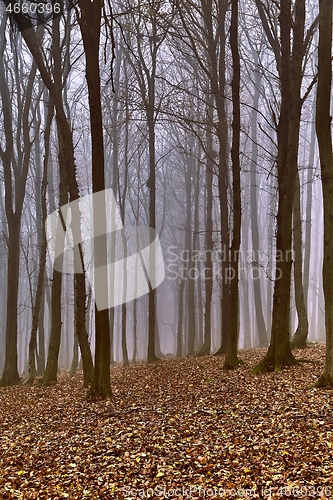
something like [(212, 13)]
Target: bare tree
[(150, 30), (289, 57), (90, 23), (15, 160), (36, 318), (231, 359)]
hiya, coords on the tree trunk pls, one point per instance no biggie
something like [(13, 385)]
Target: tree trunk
[(152, 223), (261, 326), (41, 335), (135, 335), (244, 288), (10, 374), (323, 129), (300, 337), (308, 220), (42, 259), (231, 360), (68, 183), (14, 198), (90, 29), (51, 370), (290, 68), (66, 149), (179, 334), (206, 348), (80, 295), (190, 295), (218, 90), (75, 360)]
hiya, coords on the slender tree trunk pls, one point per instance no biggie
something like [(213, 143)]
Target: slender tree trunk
[(122, 199), (190, 295), (80, 295), (90, 29), (68, 183), (66, 150), (324, 136), (244, 285), (179, 337), (51, 370), (14, 207), (75, 359), (300, 337), (115, 189), (308, 221), (135, 335), (152, 223), (218, 88), (41, 334), (270, 268), (231, 360), (42, 258), (261, 327), (198, 313), (206, 348), (10, 375), (279, 353)]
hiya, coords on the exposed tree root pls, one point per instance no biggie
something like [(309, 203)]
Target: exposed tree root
[(304, 360), (46, 382), (299, 340), (7, 381), (99, 390), (274, 364), (203, 351), (325, 380), (30, 379), (98, 394), (233, 364)]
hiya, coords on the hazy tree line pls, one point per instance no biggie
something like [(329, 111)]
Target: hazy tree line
[(210, 121)]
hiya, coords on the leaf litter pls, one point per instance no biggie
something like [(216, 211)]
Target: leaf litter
[(180, 428)]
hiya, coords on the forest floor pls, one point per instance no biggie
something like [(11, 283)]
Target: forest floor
[(175, 429)]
